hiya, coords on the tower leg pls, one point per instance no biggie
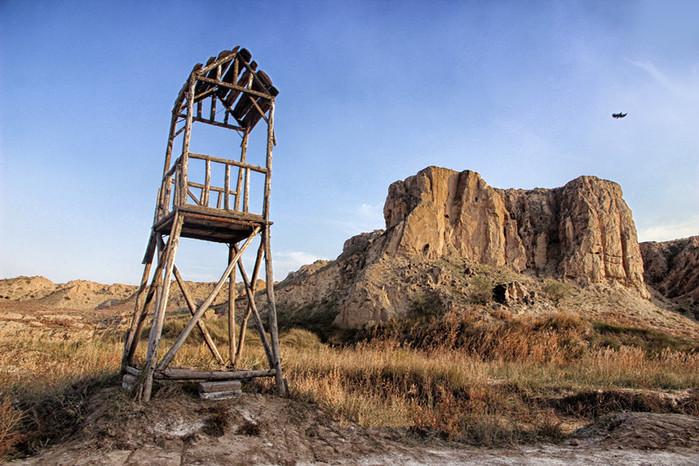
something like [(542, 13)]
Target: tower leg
[(159, 315), (231, 309), (272, 316)]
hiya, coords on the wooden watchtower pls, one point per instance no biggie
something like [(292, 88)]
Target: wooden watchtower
[(229, 94)]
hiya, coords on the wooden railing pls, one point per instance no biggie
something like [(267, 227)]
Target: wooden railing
[(177, 190)]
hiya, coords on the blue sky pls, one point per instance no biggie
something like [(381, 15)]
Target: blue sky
[(370, 92)]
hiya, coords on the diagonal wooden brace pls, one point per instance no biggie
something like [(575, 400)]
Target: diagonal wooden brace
[(167, 359), (192, 309)]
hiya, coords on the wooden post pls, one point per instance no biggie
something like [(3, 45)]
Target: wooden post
[(186, 142), (159, 316), (272, 311), (136, 314), (207, 185), (258, 321), (227, 188), (231, 307), (243, 155), (248, 311), (145, 308)]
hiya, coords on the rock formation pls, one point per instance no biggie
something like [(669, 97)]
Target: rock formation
[(582, 232), (672, 269)]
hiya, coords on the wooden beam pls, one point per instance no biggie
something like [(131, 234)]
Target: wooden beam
[(185, 374), (212, 158), (138, 307), (159, 316), (202, 327), (205, 305), (243, 155), (258, 321), (248, 310), (231, 307)]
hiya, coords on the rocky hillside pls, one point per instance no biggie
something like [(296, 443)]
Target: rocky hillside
[(672, 270), (452, 236)]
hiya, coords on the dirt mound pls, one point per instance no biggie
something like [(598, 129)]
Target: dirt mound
[(177, 428), (643, 431), (24, 288)]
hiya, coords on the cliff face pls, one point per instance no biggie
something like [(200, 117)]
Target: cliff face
[(581, 232), (672, 269)]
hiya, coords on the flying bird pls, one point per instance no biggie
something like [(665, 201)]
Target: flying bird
[(618, 115)]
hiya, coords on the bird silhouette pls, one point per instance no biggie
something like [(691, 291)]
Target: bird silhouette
[(618, 115)]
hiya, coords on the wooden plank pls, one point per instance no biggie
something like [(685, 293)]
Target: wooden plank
[(204, 306), (176, 373), (225, 386), (202, 327), (132, 371), (221, 395), (201, 86)]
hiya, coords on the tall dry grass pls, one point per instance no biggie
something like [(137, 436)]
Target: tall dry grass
[(456, 375)]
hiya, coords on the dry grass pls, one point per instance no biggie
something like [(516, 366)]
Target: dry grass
[(456, 375)]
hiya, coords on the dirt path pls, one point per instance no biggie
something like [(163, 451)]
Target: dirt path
[(260, 429)]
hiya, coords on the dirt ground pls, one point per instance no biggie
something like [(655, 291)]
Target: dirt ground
[(263, 429)]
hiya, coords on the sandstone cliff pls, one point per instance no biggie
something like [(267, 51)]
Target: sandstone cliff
[(582, 232), (672, 269)]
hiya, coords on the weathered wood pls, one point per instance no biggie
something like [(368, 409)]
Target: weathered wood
[(202, 86), (219, 124), (225, 386), (204, 306), (192, 308), (258, 321), (175, 373), (137, 309), (248, 310), (227, 188), (272, 314), (255, 168), (221, 395), (246, 195), (243, 155), (159, 316), (231, 307), (145, 308), (132, 370), (207, 184)]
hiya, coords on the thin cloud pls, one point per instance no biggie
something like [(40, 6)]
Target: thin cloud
[(671, 230)]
